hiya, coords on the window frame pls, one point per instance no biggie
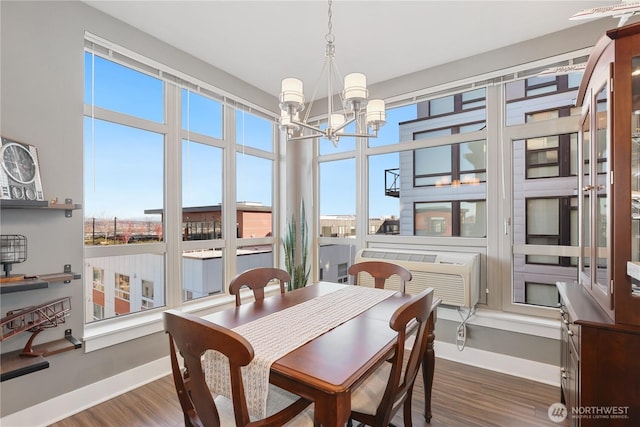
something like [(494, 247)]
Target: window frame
[(111, 331)]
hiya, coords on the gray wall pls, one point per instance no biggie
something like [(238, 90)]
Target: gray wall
[(42, 104)]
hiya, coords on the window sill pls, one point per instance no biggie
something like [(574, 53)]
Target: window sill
[(108, 332), (522, 324)]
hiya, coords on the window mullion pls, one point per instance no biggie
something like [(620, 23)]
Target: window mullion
[(173, 192)]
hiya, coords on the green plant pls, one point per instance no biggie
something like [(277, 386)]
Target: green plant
[(296, 262)]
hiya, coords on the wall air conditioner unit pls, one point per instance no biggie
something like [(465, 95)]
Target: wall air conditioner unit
[(455, 276)]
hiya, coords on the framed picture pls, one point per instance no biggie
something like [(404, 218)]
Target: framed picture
[(19, 171)]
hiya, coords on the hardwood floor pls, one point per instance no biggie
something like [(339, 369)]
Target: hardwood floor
[(462, 396)]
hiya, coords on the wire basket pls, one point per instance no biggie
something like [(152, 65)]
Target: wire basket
[(13, 250)]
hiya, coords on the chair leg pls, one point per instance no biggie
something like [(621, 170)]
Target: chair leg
[(407, 409)]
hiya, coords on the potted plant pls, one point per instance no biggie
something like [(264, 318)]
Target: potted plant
[(296, 261)]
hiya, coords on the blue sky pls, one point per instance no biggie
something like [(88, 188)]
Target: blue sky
[(124, 166)]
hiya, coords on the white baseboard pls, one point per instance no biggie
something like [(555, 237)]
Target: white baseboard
[(523, 368), (63, 406)]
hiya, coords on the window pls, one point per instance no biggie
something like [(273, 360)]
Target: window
[(123, 287), (124, 181), (335, 260), (254, 131), (123, 200), (451, 219), (254, 186), (114, 87), (201, 115), (544, 294), (390, 132), (456, 164), (147, 294), (202, 192), (337, 197), (552, 221), (98, 279), (455, 103), (137, 152), (441, 176), (552, 156), (450, 115), (542, 98), (255, 171), (384, 193), (98, 311), (343, 275), (545, 207)]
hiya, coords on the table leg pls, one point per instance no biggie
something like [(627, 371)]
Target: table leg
[(332, 410), (428, 365)]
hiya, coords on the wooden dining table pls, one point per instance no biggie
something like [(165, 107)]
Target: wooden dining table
[(327, 368)]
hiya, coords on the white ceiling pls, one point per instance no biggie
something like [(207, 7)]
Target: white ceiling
[(262, 42)]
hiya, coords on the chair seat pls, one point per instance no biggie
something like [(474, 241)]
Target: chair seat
[(368, 395), (277, 399)]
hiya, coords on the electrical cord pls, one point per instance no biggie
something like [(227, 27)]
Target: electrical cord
[(461, 331)]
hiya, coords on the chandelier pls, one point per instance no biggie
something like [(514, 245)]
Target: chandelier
[(367, 115)]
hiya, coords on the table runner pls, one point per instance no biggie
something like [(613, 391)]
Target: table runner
[(277, 334)]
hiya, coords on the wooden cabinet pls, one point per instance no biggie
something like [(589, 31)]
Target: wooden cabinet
[(600, 372), (609, 202)]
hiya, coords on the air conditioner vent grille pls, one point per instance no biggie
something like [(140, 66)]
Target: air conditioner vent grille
[(400, 256), (455, 277)]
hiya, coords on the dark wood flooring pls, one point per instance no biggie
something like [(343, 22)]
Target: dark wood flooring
[(463, 396)]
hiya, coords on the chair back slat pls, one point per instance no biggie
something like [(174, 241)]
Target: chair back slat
[(257, 279), (380, 271)]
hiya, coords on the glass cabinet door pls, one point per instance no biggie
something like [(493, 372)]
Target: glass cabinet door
[(585, 208), (595, 220), (635, 159), (600, 203)]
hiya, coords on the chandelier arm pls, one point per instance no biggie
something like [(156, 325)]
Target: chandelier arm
[(307, 126), (344, 125), (301, 137), (360, 135)]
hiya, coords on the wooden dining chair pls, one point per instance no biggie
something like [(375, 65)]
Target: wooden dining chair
[(380, 271), (193, 336), (380, 396), (257, 279)]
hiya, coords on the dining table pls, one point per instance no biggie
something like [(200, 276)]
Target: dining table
[(328, 367)]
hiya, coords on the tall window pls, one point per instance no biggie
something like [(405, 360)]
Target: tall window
[(154, 141), (254, 186), (337, 198), (202, 219), (124, 146), (545, 206)]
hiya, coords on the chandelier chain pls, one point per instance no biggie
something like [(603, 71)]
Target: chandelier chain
[(330, 38), (364, 114)]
